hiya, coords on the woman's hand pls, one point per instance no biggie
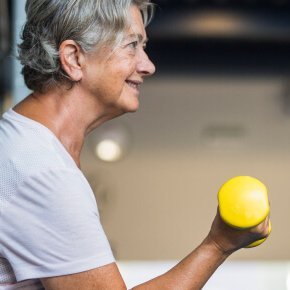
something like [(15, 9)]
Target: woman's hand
[(229, 239)]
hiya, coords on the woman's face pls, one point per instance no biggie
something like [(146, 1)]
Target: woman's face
[(114, 77)]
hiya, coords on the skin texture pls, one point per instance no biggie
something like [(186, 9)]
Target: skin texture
[(101, 93)]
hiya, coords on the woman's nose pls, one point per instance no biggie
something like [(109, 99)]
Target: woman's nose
[(145, 66)]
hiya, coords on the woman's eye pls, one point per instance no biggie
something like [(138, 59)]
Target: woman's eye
[(133, 44)]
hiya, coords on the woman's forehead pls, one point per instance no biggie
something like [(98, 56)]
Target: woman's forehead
[(136, 26)]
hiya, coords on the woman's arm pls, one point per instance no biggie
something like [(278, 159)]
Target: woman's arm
[(190, 274)]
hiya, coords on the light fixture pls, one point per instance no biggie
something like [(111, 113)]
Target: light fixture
[(108, 150), (224, 135), (111, 142)]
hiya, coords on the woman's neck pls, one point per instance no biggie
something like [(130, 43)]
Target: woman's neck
[(66, 113)]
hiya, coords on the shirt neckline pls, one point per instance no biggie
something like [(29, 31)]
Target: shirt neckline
[(11, 114)]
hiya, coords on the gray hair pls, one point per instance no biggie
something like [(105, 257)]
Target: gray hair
[(90, 23)]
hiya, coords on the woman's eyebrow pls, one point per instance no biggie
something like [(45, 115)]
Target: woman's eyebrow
[(139, 36)]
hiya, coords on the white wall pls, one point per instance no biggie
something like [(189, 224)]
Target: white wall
[(230, 276)]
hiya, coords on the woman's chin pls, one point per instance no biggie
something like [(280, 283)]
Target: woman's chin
[(132, 106)]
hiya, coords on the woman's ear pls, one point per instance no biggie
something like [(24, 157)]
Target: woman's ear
[(71, 59)]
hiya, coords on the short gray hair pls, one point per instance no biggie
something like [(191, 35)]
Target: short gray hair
[(90, 23)]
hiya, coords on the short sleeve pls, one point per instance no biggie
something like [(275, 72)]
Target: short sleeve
[(52, 227)]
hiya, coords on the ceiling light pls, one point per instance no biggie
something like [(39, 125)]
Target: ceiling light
[(110, 142), (108, 150)]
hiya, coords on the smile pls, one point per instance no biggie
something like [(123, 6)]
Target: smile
[(134, 84)]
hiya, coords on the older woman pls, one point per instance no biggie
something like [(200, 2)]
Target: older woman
[(84, 60)]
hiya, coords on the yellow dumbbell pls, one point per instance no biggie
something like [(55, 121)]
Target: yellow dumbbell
[(243, 203)]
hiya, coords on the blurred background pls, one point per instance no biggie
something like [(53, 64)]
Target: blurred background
[(218, 106)]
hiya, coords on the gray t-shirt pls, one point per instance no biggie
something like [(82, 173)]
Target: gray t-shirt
[(49, 221)]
